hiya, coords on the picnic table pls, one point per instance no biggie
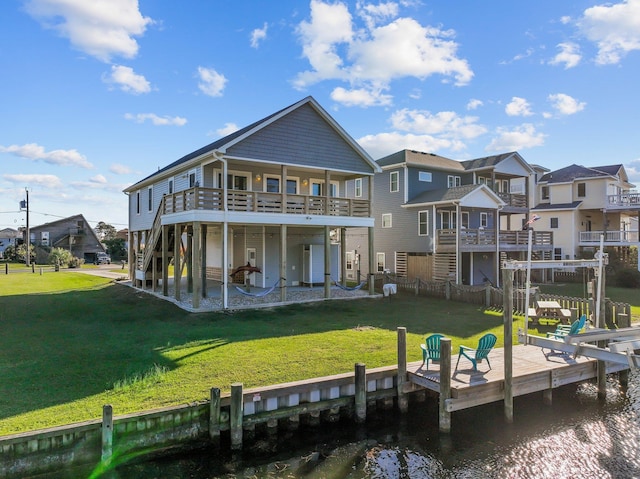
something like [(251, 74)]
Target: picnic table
[(549, 312)]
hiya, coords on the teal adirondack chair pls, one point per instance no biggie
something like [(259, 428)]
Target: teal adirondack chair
[(564, 330), (431, 349), (485, 345)]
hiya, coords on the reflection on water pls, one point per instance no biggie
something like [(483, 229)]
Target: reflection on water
[(578, 437)]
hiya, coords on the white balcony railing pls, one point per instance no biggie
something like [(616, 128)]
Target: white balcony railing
[(617, 237)]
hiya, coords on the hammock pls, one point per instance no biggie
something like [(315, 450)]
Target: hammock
[(350, 288), (259, 294)]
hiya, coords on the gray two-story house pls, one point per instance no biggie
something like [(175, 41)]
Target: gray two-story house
[(271, 197), (442, 219)]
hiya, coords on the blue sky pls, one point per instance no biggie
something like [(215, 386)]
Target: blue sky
[(95, 95)]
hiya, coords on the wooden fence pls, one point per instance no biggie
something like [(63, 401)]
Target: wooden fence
[(617, 314)]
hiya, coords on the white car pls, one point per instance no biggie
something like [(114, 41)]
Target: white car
[(103, 258)]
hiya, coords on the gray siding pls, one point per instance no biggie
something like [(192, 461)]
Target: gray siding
[(301, 138)]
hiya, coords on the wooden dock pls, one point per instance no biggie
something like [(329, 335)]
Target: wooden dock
[(534, 370)]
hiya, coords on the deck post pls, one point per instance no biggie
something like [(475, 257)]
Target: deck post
[(107, 432), (283, 263), (507, 284), (196, 264), (361, 392), (403, 404), (177, 264), (447, 290), (547, 396), (372, 261), (487, 295), (214, 414), (165, 260), (237, 407), (327, 262), (444, 417)]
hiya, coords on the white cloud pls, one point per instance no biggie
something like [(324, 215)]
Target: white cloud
[(375, 14), (227, 129), (119, 169), (615, 28), (524, 136), (446, 124), (128, 80), (156, 120), (518, 107), (565, 104), (48, 181), (474, 104), (100, 28), (35, 152), (569, 55), (360, 97), (100, 179), (211, 82), (384, 144), (258, 35), (372, 56)]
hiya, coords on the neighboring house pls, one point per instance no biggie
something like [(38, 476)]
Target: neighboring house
[(8, 237), (73, 234), (581, 204), (273, 194), (441, 219)]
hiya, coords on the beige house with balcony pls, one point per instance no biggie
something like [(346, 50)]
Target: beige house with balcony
[(274, 195), (582, 204)]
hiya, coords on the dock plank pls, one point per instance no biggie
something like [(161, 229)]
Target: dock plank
[(534, 369)]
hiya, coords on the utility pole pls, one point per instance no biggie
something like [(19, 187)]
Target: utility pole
[(27, 242)]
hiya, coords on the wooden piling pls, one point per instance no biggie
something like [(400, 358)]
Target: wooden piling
[(403, 403), (444, 417), (361, 392), (214, 414), (507, 282), (235, 418), (107, 432)]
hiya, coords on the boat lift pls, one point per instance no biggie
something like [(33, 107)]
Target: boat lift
[(622, 343)]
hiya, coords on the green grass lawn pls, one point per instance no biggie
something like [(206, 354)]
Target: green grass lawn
[(71, 343)]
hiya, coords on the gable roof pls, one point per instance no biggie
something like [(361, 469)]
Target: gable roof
[(578, 172), (452, 195), (229, 141)]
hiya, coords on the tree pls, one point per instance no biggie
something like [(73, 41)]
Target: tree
[(60, 256), (115, 247), (105, 231)]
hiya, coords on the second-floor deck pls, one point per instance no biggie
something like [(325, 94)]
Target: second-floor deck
[(611, 238), (513, 201), (485, 240), (212, 199), (622, 201)]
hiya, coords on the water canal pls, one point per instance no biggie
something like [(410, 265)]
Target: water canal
[(578, 436)]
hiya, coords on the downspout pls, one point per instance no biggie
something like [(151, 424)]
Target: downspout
[(458, 254)]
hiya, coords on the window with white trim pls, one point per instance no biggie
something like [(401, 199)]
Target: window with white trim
[(170, 186), (358, 187), (423, 223), (553, 222), (453, 181), (386, 220), (448, 219), (380, 262), (394, 182), (317, 188), (192, 179), (349, 260), (484, 219), (425, 176), (557, 254)]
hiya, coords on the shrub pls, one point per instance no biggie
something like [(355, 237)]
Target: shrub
[(627, 278), (75, 262), (60, 257)]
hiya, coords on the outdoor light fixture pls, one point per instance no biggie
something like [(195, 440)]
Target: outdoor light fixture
[(258, 177)]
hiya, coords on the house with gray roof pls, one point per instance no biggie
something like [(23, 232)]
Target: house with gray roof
[(443, 219), (269, 203), (582, 204)]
